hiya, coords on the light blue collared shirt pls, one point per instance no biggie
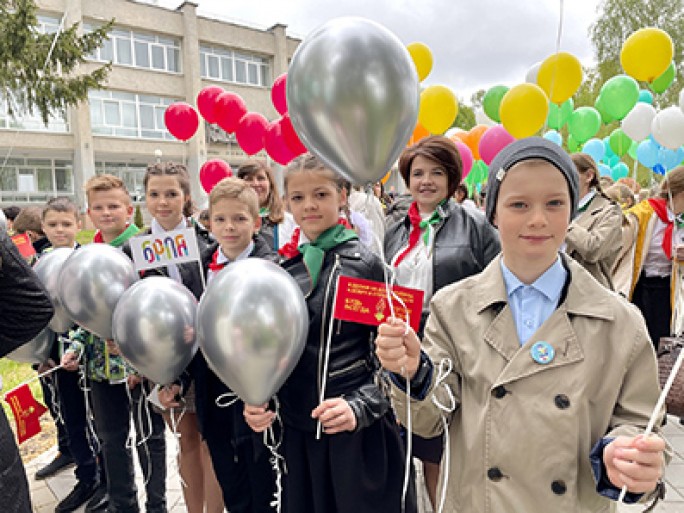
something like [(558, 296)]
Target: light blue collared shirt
[(532, 304)]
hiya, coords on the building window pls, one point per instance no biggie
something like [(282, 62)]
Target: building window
[(122, 114), (131, 174), (139, 49), (237, 67), (22, 119), (47, 24), (36, 179)]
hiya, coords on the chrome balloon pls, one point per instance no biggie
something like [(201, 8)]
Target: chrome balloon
[(48, 269), (154, 327), (90, 284), (36, 350), (353, 96), (252, 323)]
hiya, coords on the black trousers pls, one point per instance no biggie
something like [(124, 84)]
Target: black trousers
[(81, 443), (652, 297)]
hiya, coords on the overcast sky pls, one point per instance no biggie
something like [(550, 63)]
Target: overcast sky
[(475, 44)]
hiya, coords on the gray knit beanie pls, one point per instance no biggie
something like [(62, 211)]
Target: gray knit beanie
[(526, 149)]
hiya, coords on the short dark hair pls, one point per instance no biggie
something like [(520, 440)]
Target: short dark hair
[(440, 149), (11, 212)]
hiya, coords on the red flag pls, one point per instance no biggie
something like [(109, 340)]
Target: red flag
[(27, 411), (24, 245), (365, 302)]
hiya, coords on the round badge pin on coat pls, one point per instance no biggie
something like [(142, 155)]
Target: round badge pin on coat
[(542, 353)]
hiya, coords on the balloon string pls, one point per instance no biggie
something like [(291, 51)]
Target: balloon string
[(227, 399), (328, 343), (444, 369), (273, 444), (175, 421), (559, 36)]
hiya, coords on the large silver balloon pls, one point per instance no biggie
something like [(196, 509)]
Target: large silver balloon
[(48, 269), (154, 326), (353, 96), (36, 350), (252, 324), (90, 284)]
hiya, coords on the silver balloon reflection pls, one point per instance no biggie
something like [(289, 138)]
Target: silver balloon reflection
[(353, 96), (154, 326), (36, 350), (48, 269), (91, 283), (252, 324)]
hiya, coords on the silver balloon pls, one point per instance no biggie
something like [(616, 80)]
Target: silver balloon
[(36, 350), (48, 269), (90, 284), (252, 324), (154, 326), (353, 96)]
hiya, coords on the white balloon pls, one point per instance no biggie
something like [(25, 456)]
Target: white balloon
[(482, 119), (454, 130), (532, 73), (668, 127), (637, 124)]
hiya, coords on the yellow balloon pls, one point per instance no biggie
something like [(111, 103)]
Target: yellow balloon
[(384, 179), (560, 76), (646, 54), (523, 110), (438, 109), (422, 58)]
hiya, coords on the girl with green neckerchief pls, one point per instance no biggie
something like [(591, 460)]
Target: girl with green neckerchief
[(341, 443)]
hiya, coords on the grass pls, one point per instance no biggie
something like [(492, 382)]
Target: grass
[(85, 237), (14, 373)]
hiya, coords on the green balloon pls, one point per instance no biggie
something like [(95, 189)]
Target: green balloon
[(619, 142), (632, 152), (600, 105), (661, 83), (492, 101), (558, 115), (619, 95), (573, 145), (584, 123), (479, 171)]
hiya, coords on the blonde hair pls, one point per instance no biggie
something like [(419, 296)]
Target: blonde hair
[(672, 184), (273, 202), (622, 194), (106, 182), (180, 172), (312, 164), (237, 189)]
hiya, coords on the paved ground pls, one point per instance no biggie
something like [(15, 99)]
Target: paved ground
[(46, 494)]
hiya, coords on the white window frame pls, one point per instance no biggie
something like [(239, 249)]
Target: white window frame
[(258, 63)]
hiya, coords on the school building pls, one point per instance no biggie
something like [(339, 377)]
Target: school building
[(158, 56)]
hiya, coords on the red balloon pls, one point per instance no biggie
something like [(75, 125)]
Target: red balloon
[(181, 120), (212, 172), (278, 96), (250, 132), (275, 144), (228, 111), (206, 102), (493, 141), (291, 137)]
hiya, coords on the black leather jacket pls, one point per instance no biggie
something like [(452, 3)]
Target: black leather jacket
[(352, 366), (464, 244)]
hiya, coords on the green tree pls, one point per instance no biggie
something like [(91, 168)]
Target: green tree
[(138, 217), (466, 116), (620, 18), (41, 71)]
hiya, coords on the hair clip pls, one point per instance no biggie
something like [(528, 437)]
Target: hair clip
[(500, 174)]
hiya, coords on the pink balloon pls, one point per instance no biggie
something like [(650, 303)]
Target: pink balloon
[(493, 141), (181, 120), (250, 132), (291, 137), (228, 110), (278, 96), (206, 102), (212, 172), (275, 144), (466, 157)]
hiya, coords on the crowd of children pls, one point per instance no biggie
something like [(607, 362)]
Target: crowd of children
[(528, 370)]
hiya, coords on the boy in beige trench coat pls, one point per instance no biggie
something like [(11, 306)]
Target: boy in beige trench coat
[(552, 376)]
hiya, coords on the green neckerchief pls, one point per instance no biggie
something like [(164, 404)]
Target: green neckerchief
[(435, 218), (263, 212), (314, 252), (125, 235)]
